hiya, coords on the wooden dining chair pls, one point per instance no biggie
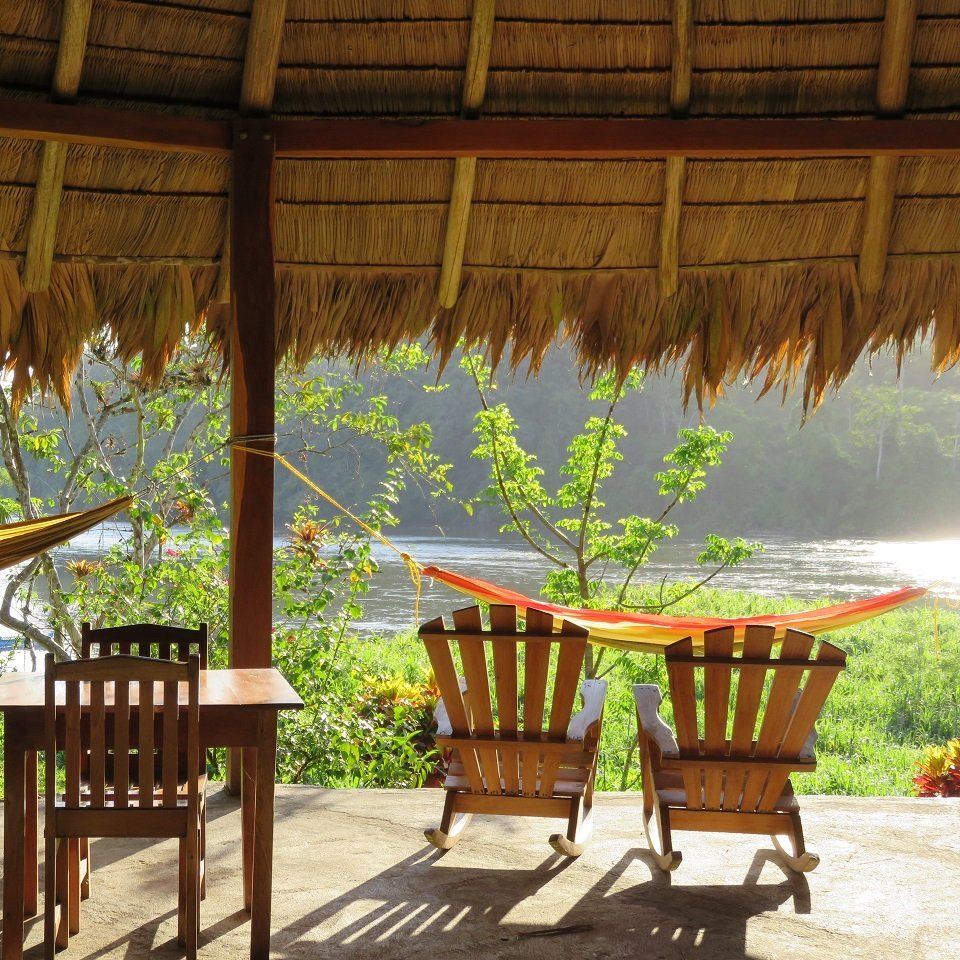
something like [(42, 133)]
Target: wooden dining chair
[(125, 713), (516, 750), (156, 640), (743, 725)]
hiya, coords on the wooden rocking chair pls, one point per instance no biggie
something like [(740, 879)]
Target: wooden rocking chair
[(735, 777), (543, 766)]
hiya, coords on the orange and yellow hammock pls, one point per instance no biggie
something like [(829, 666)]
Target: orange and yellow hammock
[(650, 633), (641, 632)]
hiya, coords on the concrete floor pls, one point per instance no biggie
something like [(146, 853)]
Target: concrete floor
[(353, 878)]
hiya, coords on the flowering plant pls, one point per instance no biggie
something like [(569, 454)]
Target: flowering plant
[(939, 774)]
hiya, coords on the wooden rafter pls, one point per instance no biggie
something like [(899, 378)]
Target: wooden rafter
[(675, 167), (893, 76), (42, 233), (465, 168), (262, 57), (491, 139)]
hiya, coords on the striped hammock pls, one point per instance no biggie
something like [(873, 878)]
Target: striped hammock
[(650, 633), (26, 538)]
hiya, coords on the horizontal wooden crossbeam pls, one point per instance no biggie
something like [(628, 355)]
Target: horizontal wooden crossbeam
[(488, 138)]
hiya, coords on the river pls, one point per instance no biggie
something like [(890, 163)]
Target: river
[(814, 570)]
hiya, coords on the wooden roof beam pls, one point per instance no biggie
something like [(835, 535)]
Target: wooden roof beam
[(45, 213), (465, 168), (490, 139), (675, 167), (614, 139), (893, 77)]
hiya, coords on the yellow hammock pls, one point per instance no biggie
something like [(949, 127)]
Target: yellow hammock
[(26, 538)]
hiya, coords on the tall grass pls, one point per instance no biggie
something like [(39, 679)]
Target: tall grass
[(898, 694)]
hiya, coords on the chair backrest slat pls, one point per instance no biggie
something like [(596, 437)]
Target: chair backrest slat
[(716, 685), (811, 702), (503, 620), (145, 757), (72, 742), (684, 697), (513, 762), (121, 744), (171, 726), (757, 644), (786, 682), (98, 745)]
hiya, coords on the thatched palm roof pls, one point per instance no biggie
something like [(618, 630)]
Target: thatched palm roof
[(732, 265)]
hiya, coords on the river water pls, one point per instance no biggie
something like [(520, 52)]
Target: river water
[(814, 570)]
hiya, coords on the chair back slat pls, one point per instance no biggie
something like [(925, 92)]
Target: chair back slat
[(729, 774), (158, 641), (511, 762), (479, 714), (503, 620), (98, 745), (72, 742), (121, 743), (757, 644), (683, 694), (716, 683), (811, 702), (445, 673), (786, 682), (680, 677), (145, 755), (171, 731)]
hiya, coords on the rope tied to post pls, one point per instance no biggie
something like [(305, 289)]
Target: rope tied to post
[(414, 569)]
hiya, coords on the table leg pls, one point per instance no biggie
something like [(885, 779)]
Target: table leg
[(248, 806), (14, 769), (31, 888), (263, 835)]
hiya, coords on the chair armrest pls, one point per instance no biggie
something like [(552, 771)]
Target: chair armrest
[(648, 699), (594, 693), (440, 715)]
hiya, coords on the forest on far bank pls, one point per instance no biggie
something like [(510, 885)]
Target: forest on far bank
[(881, 458), (878, 459)]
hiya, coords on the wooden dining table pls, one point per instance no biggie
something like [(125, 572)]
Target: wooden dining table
[(238, 708)]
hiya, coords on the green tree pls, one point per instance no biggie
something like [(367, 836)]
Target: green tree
[(594, 558), (171, 562)]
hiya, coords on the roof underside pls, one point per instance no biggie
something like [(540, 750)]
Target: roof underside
[(731, 266)]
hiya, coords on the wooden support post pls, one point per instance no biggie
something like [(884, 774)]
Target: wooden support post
[(252, 370), (893, 77)]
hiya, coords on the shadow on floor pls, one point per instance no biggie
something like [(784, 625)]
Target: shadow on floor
[(416, 906)]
